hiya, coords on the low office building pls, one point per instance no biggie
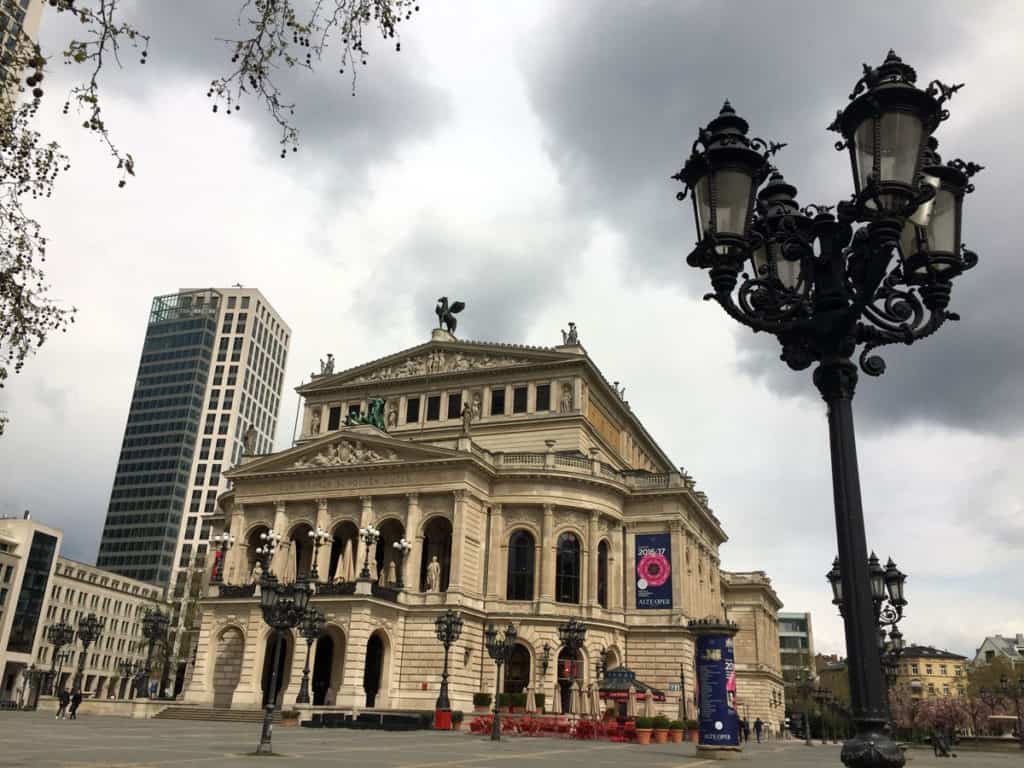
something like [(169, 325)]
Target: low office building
[(928, 672), (529, 492), (796, 646)]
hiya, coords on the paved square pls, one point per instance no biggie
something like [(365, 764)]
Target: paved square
[(36, 739)]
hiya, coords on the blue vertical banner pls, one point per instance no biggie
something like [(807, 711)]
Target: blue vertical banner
[(653, 557), (716, 691)]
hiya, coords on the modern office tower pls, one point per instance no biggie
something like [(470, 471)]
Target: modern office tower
[(212, 364)]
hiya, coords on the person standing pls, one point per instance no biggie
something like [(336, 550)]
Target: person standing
[(758, 726), (62, 698), (76, 701)]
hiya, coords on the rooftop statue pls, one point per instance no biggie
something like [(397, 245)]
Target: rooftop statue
[(327, 366), (374, 417), (446, 314), (570, 337)]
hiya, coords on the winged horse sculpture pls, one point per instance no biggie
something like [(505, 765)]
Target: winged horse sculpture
[(446, 313)]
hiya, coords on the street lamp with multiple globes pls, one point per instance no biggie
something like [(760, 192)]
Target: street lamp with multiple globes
[(311, 628), (59, 635), (283, 607), (369, 535), (154, 629), (318, 537), (572, 634), (402, 547), (448, 627), (265, 552), (222, 544), (824, 290), (90, 627), (500, 650)]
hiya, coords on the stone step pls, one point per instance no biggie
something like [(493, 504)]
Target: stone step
[(213, 714)]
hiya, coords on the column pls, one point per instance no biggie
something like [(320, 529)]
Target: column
[(678, 574), (458, 536), (277, 563), (413, 517), (592, 557), (365, 518), (615, 564), (497, 554), (629, 563), (547, 554), (323, 551), (234, 565)]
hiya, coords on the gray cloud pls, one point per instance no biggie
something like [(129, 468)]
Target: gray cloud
[(621, 90)]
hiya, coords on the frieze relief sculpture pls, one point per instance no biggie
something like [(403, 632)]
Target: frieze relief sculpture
[(345, 452), (434, 362)]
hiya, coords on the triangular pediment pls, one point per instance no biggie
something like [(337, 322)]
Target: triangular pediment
[(351, 447), (440, 358)]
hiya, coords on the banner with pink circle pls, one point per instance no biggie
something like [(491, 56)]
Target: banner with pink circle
[(653, 570)]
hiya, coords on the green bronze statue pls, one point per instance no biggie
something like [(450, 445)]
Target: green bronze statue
[(374, 417)]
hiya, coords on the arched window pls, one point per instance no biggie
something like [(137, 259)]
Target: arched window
[(520, 566), (437, 543), (602, 574), (567, 569)]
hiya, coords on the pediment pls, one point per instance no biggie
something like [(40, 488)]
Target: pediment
[(437, 359), (353, 447)]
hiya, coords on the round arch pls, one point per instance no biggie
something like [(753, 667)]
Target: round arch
[(377, 669), (252, 543), (521, 566), (228, 653), (568, 565), (301, 555), (344, 551), (385, 557), (285, 652), (328, 665), (518, 671), (437, 543)]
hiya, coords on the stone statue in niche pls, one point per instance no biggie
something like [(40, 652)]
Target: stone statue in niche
[(392, 573), (476, 406), (570, 337), (257, 573), (392, 417), (434, 575), (314, 422), (565, 404), (249, 440), (467, 419)]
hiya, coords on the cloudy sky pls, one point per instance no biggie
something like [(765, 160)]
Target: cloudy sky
[(516, 156)]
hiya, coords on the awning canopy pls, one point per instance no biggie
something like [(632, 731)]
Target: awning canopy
[(616, 683)]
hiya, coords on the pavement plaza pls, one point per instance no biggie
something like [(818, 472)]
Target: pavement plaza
[(36, 739)]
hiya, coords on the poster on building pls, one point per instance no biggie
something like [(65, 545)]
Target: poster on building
[(716, 691), (653, 570)]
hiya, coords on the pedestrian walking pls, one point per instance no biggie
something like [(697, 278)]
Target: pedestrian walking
[(746, 730), (758, 726), (76, 701), (62, 699)]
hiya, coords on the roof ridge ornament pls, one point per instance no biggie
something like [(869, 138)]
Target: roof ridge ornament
[(446, 319)]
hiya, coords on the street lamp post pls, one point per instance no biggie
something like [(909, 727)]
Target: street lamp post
[(222, 543), (682, 691), (500, 650), (89, 630), (805, 682), (266, 551), (318, 538), (402, 548), (311, 627), (59, 635), (283, 607), (154, 629), (448, 627), (370, 535), (824, 290), (824, 697)]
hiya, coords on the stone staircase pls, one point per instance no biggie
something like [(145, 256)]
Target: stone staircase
[(211, 714)]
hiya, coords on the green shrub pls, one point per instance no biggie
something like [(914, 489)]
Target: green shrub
[(691, 725), (457, 716), (539, 699), (675, 725), (289, 714), (661, 722), (518, 700), (481, 699), (644, 723), (504, 699)]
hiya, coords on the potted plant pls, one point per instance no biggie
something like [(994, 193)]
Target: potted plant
[(611, 713), (504, 702), (457, 719), (675, 731), (517, 701), (481, 702), (289, 717), (643, 730), (692, 731), (660, 724), (538, 699)]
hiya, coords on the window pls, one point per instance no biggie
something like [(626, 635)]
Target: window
[(543, 397), (190, 527), (520, 566), (412, 410), (219, 452), (229, 318), (9, 570), (945, 690), (245, 302), (914, 669), (200, 474), (204, 450), (231, 302), (197, 497), (957, 670), (567, 569), (232, 375), (942, 670), (602, 574), (236, 350), (519, 399), (354, 409), (334, 417), (927, 669), (498, 401), (214, 399), (433, 408), (242, 317), (455, 405), (218, 375)]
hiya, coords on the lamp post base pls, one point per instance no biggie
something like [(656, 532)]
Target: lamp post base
[(872, 750), (442, 719)]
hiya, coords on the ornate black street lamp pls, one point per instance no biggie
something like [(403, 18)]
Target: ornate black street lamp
[(89, 630), (59, 635), (154, 629), (311, 628), (682, 690), (266, 551), (545, 659), (283, 607), (369, 535), (500, 650), (222, 543), (824, 290), (318, 538), (448, 627), (402, 548), (572, 634)]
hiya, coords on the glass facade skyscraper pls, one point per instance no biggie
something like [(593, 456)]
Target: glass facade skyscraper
[(212, 364)]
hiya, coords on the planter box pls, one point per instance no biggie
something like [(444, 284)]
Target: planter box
[(676, 736), (643, 735), (661, 735)]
